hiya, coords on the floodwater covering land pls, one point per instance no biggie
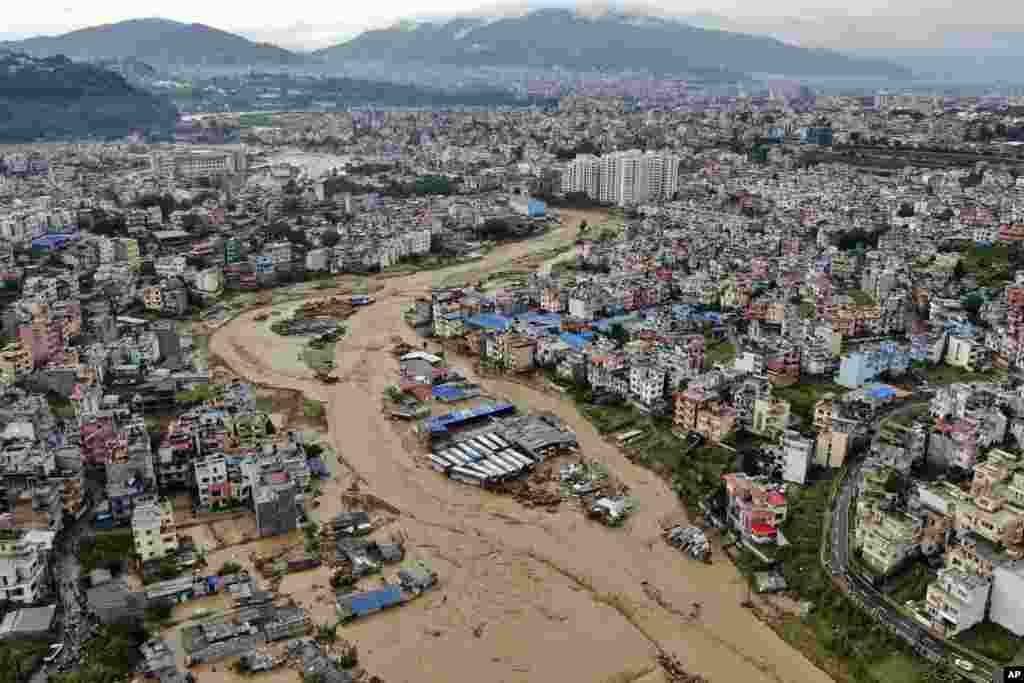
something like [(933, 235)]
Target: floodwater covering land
[(525, 594)]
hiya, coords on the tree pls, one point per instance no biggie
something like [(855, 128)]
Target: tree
[(495, 229), (330, 238), (618, 333)]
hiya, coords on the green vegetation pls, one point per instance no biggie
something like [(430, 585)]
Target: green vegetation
[(907, 419), (911, 584), (55, 98), (168, 569), (807, 309), (992, 641), (698, 474), (897, 667), (108, 657), (312, 409), (196, 395), (722, 352), (18, 658), (860, 297), (160, 613), (60, 406), (990, 265), (229, 567), (947, 374), (327, 633), (801, 564), (610, 418), (433, 184), (804, 395), (108, 550), (255, 121)]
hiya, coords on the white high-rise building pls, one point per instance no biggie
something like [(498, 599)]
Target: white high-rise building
[(624, 178), (583, 175)]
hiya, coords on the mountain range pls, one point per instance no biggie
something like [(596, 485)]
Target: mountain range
[(562, 38), (159, 42), (542, 39), (56, 98)]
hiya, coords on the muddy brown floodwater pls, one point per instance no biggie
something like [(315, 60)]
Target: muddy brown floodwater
[(525, 594)]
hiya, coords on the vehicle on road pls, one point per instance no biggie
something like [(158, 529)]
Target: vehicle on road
[(55, 651), (963, 664)]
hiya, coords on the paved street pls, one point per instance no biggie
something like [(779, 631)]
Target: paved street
[(865, 593), (72, 626)]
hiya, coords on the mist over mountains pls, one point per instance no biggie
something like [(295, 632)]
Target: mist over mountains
[(558, 39)]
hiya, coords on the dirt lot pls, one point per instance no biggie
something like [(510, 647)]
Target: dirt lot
[(526, 594)]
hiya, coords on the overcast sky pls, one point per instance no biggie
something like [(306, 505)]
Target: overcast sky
[(314, 23)]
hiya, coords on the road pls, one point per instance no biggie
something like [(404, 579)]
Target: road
[(73, 623), (864, 593)]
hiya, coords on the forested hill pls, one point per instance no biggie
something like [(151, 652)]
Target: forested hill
[(55, 98)]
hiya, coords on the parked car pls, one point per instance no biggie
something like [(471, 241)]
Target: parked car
[(963, 664)]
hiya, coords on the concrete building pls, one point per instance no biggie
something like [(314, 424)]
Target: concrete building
[(199, 163), (771, 417), (756, 507), (967, 353), (153, 528), (957, 600), (24, 564), (886, 538), (1007, 598), (211, 477), (274, 499), (797, 453)]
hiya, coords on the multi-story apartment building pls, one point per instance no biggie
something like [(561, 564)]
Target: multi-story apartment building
[(24, 564), (199, 163), (515, 351), (211, 477), (716, 421), (15, 362), (153, 529), (756, 507), (647, 382), (967, 353), (771, 417), (957, 600), (886, 538), (797, 455)]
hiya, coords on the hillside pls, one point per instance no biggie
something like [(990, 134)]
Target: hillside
[(55, 98), (159, 42), (560, 38)]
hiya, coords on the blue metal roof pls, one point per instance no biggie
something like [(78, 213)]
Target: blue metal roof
[(576, 341), (440, 423), (55, 240), (882, 391), (545, 319), (489, 321), (370, 601)]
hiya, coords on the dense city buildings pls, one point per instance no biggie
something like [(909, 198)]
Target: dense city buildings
[(782, 306)]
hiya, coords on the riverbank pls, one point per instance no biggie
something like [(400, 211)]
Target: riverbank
[(553, 596)]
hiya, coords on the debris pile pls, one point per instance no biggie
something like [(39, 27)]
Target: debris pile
[(690, 540), (305, 327), (529, 494), (400, 348), (333, 307), (674, 670)]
